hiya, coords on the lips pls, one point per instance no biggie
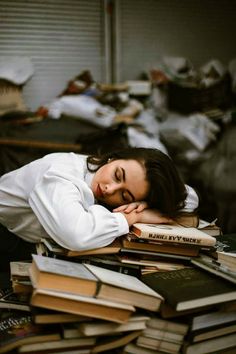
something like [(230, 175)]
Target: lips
[(99, 192)]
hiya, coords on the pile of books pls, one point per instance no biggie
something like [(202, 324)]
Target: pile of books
[(178, 296)]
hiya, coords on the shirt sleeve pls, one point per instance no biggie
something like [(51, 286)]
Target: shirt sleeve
[(67, 212), (191, 201)]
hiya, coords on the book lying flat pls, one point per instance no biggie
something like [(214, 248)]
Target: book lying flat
[(136, 243), (61, 344), (190, 288), (214, 345), (81, 305), (173, 233), (94, 328), (213, 324), (90, 280)]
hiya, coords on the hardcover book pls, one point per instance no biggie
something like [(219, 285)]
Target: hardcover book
[(81, 305), (90, 280), (132, 241), (173, 233), (190, 288)]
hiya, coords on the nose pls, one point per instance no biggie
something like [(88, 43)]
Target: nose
[(111, 188)]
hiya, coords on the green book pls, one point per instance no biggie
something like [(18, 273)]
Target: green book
[(190, 288)]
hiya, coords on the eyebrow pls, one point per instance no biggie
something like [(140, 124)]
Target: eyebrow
[(123, 176)]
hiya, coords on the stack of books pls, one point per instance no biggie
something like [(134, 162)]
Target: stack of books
[(123, 299)]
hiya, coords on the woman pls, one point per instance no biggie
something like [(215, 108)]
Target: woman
[(86, 202)]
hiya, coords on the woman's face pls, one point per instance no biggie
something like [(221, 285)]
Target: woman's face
[(120, 182)]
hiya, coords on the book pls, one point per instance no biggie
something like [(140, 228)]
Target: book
[(133, 348), (16, 330), (211, 265), (210, 227), (158, 264), (97, 328), (170, 326), (163, 335), (114, 342), (81, 305), (136, 243), (226, 243), (211, 345), (19, 275), (158, 344), (173, 233), (109, 261), (112, 248), (54, 248), (90, 280), (190, 288), (60, 344), (19, 270), (44, 316), (154, 255), (13, 301), (212, 324), (228, 259)]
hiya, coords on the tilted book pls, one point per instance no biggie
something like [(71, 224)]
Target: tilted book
[(190, 288), (89, 280), (173, 233), (81, 305)]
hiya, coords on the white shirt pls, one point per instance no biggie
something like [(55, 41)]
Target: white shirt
[(51, 197)]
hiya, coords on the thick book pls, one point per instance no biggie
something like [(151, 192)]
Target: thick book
[(81, 305), (136, 243), (211, 265), (16, 330), (90, 280), (190, 288), (173, 233)]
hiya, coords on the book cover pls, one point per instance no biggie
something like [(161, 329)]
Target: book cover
[(173, 233), (81, 305), (16, 330), (125, 288), (190, 288)]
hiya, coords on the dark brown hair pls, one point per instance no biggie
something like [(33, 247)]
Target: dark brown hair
[(167, 191)]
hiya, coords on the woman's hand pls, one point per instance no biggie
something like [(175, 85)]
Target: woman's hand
[(147, 216), (128, 208)]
